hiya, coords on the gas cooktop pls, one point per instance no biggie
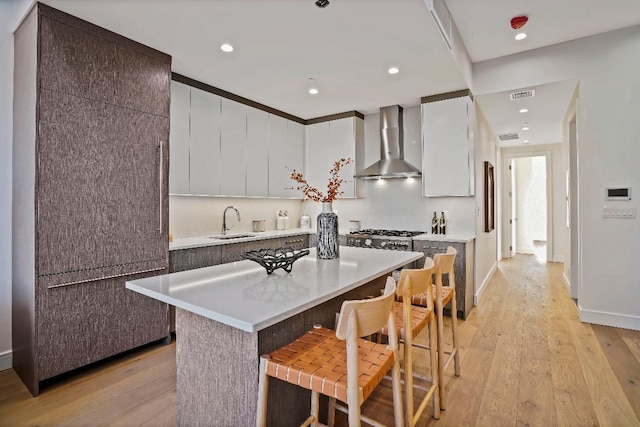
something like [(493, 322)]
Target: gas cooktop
[(386, 233)]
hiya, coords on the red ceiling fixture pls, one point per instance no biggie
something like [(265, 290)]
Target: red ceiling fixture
[(518, 22)]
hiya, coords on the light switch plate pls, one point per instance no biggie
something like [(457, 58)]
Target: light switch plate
[(624, 212)]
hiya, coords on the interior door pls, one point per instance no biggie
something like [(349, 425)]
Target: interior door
[(512, 213)]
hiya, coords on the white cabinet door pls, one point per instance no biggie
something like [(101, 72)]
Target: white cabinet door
[(179, 139), (286, 153), (328, 142), (233, 146), (204, 177), (343, 145), (317, 155), (257, 152), (447, 153)]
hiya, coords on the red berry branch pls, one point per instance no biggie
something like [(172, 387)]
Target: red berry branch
[(333, 187)]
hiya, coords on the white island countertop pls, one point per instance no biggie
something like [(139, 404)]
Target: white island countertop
[(242, 295)]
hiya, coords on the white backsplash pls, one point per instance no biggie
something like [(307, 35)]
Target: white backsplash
[(191, 216)]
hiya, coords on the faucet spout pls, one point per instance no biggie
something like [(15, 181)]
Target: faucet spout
[(224, 219)]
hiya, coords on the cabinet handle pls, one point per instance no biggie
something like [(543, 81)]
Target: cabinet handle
[(95, 279), (160, 188), (293, 241)]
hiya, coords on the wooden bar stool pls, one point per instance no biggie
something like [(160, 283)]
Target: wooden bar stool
[(338, 363), (443, 295), (413, 282)]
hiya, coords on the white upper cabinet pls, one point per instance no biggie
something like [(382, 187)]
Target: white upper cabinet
[(221, 147), (233, 147), (447, 150), (179, 139), (286, 150), (257, 152), (327, 142), (204, 176)]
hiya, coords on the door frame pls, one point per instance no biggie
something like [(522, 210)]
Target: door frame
[(506, 205)]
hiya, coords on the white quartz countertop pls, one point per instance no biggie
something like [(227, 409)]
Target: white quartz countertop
[(459, 238), (195, 242), (243, 296)]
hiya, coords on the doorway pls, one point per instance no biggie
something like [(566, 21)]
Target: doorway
[(529, 215)]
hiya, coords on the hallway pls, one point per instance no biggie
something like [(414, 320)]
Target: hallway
[(526, 360)]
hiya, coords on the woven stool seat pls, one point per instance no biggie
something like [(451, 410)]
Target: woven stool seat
[(421, 299), (420, 318), (318, 361)]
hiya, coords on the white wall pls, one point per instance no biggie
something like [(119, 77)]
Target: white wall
[(607, 66), (10, 13), (191, 216), (486, 250)]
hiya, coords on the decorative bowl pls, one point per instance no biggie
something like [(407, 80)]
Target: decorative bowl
[(272, 259)]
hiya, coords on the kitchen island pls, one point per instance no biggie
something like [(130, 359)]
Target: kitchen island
[(230, 314)]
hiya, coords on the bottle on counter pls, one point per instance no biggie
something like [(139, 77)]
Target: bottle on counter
[(442, 227), (305, 221), (286, 220), (280, 221), (434, 223)]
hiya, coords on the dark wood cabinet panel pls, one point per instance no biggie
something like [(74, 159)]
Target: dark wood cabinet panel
[(463, 269), (99, 189), (85, 323), (192, 258), (142, 82), (76, 62)]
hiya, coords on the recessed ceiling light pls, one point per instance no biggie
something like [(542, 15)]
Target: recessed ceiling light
[(526, 141), (521, 36), (226, 47), (525, 128), (393, 70), (523, 110), (313, 91)]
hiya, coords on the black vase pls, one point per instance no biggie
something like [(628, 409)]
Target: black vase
[(327, 229)]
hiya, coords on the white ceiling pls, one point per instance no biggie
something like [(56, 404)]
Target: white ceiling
[(349, 45), (544, 118)]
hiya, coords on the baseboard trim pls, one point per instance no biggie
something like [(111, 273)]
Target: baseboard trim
[(6, 360), (525, 251), (566, 281), (478, 295), (609, 319), (558, 258)]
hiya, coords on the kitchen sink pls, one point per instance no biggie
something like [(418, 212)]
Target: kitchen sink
[(230, 236)]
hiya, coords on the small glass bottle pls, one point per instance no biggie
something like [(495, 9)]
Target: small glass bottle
[(434, 223), (443, 224)]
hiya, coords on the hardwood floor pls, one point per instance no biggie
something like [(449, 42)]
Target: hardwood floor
[(526, 360)]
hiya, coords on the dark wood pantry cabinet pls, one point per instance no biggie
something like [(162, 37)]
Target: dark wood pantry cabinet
[(90, 193)]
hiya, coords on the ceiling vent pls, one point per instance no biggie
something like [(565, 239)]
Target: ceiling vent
[(442, 16), (522, 94), (509, 136)]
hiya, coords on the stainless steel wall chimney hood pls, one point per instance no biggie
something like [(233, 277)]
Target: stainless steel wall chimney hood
[(391, 163)]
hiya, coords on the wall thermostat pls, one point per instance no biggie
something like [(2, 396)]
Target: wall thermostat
[(618, 193)]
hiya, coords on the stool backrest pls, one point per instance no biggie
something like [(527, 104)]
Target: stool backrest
[(415, 281), (370, 314), (444, 264)]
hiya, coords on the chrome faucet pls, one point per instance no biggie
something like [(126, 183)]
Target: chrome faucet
[(224, 219)]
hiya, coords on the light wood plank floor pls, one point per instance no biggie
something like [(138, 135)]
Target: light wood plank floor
[(526, 360)]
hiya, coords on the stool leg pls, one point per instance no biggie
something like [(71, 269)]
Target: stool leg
[(434, 370), (315, 405), (408, 381), (454, 331), (263, 393), (397, 393), (331, 416), (441, 356)]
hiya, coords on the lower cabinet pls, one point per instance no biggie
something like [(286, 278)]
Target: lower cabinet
[(463, 268), (205, 256)]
